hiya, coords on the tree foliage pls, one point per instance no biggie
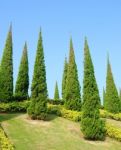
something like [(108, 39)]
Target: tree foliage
[(22, 83), (72, 94), (91, 124), (64, 79), (112, 102), (38, 106), (6, 70), (56, 94)]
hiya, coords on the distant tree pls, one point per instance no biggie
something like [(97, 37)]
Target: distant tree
[(72, 94), (56, 94), (64, 79), (92, 126), (22, 83), (6, 70), (38, 106), (112, 102)]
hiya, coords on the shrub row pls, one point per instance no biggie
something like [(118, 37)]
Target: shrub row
[(55, 107), (14, 106), (105, 114), (5, 143)]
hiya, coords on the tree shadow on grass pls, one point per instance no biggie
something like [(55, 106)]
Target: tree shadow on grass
[(51, 117), (8, 116)]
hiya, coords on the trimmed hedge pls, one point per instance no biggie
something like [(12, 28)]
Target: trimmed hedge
[(14, 106), (5, 143), (106, 114), (55, 107)]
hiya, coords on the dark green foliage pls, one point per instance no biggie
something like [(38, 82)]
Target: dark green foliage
[(120, 98), (92, 126), (56, 94), (64, 79), (54, 102), (22, 83), (72, 95), (14, 106), (104, 96), (112, 102), (38, 106), (6, 70)]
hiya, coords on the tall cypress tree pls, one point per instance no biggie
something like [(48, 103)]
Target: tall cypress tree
[(120, 98), (112, 103), (6, 70), (91, 124), (22, 83), (64, 78), (72, 95), (104, 96), (38, 106), (56, 94)]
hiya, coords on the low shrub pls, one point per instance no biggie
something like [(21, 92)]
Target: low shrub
[(61, 111), (5, 143), (106, 114), (113, 132), (54, 109), (70, 114), (14, 106)]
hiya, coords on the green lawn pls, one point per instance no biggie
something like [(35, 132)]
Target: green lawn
[(55, 134)]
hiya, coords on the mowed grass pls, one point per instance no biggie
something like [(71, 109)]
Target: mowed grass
[(55, 134)]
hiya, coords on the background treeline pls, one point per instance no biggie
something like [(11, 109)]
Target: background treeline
[(89, 102)]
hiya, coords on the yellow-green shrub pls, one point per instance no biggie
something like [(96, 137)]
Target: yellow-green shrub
[(71, 115), (113, 132), (106, 114), (5, 143), (61, 111)]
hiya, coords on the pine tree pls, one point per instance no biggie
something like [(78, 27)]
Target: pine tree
[(120, 98), (22, 83), (64, 78), (112, 102), (38, 106), (6, 70), (72, 95), (91, 125), (56, 94), (104, 95)]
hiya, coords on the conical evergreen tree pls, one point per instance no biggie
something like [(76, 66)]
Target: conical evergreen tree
[(120, 94), (120, 98), (112, 102), (22, 83), (91, 125), (104, 96), (56, 94), (6, 70), (38, 106), (64, 78), (72, 95)]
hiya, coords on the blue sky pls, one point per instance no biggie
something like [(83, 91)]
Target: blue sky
[(100, 21)]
